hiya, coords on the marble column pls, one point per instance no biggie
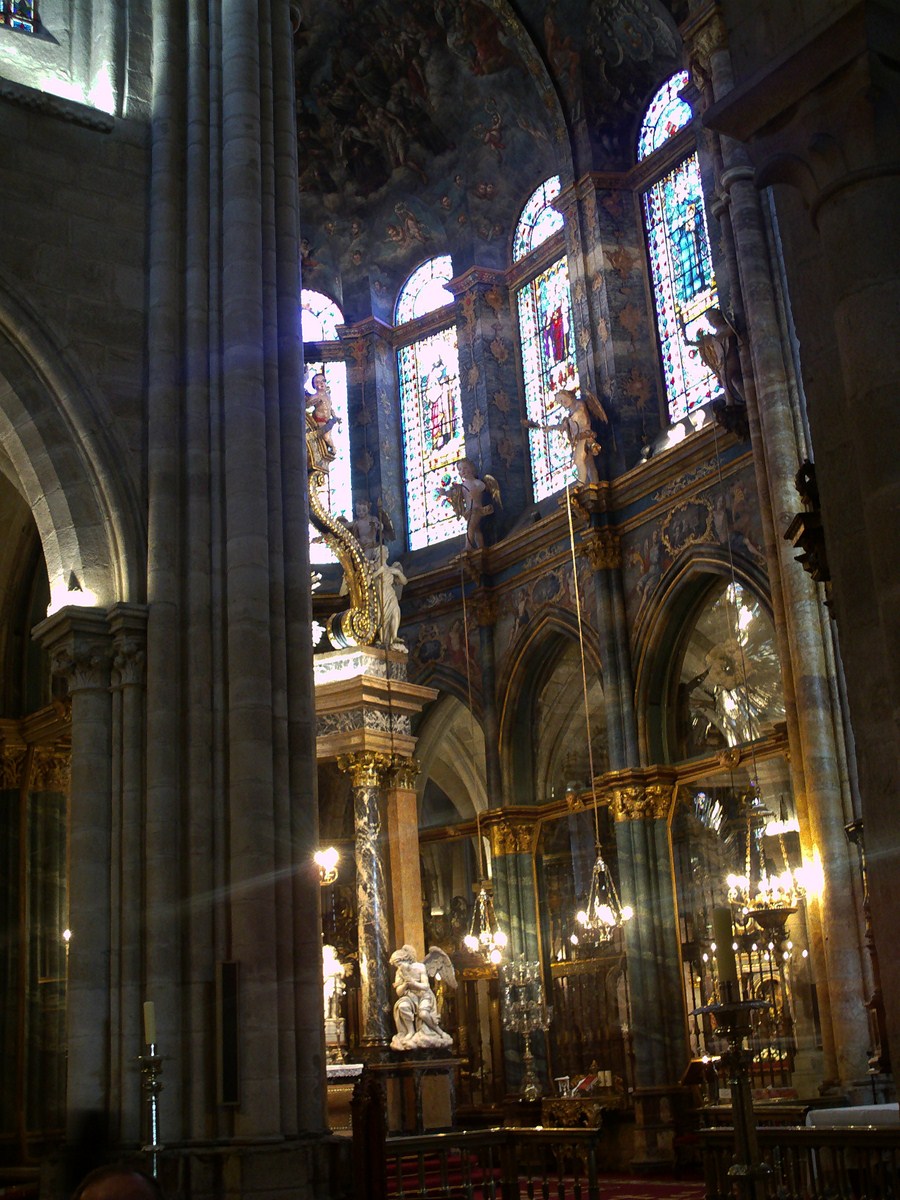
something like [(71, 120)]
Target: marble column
[(80, 650), (639, 803), (402, 807), (602, 547), (367, 771), (484, 607), (814, 720)]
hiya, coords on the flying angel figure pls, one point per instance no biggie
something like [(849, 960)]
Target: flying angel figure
[(467, 499), (578, 426)]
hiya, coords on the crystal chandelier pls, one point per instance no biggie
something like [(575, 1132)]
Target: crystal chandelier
[(604, 912), (485, 937)]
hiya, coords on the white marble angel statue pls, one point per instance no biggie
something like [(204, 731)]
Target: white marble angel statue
[(416, 1014)]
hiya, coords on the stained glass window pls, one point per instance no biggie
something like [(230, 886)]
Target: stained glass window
[(539, 219), (430, 408), (433, 435), (320, 317), (546, 343), (426, 289), (666, 114), (684, 286), (19, 14)]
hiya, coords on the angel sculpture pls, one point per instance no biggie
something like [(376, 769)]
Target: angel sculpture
[(415, 1010), (467, 499), (324, 418), (719, 349), (578, 426)]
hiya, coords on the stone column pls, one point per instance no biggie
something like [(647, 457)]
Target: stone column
[(78, 643), (367, 771), (813, 719), (403, 852), (129, 626), (639, 803)]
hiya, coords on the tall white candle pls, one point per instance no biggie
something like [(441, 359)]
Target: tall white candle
[(723, 935), (149, 1022)]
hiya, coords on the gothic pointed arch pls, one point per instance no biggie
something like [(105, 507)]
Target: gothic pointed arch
[(62, 454), (543, 731)]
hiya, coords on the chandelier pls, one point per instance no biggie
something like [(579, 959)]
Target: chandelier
[(759, 895), (604, 912), (485, 937)]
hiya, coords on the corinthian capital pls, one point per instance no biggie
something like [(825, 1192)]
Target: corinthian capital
[(366, 769), (641, 802)]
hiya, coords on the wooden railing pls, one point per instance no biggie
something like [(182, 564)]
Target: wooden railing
[(811, 1164), (493, 1164)]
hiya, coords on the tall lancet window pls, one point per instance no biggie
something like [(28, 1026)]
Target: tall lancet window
[(547, 344), (326, 387), (684, 285), (430, 402)]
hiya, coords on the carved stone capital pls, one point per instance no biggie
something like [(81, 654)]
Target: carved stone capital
[(84, 668), (603, 549), (129, 659), (704, 35), (366, 769), (640, 802), (403, 772)]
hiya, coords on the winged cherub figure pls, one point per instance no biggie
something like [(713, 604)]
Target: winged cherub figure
[(473, 499), (578, 426)]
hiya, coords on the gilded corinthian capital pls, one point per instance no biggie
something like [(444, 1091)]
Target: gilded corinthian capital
[(403, 772), (366, 769), (514, 836), (603, 549), (641, 802)]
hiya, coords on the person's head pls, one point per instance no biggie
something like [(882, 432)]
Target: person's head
[(466, 468), (319, 382), (566, 397), (118, 1183), (362, 508)]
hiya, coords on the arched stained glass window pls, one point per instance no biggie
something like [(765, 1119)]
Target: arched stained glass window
[(539, 219), (666, 114), (319, 317), (430, 409), (426, 290), (19, 14), (327, 375), (546, 343), (684, 285)]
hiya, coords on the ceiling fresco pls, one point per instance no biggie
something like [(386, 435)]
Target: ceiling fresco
[(424, 125)]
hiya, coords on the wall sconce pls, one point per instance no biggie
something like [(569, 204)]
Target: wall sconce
[(327, 861)]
